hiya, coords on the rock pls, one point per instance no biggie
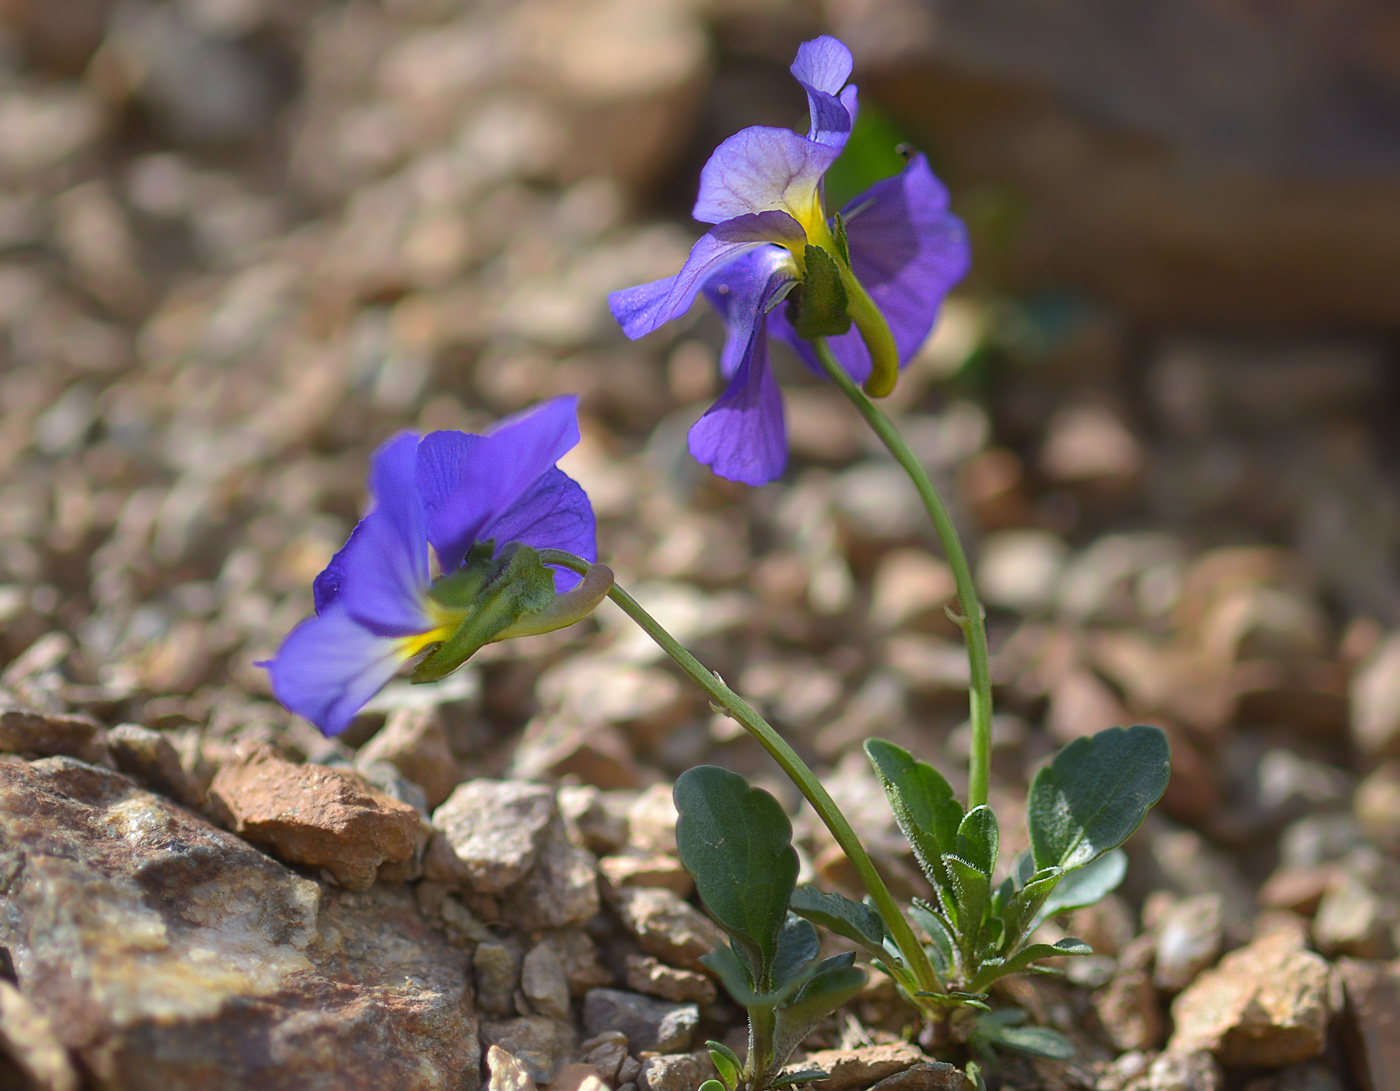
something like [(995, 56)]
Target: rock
[(1019, 570), (1174, 1071), (28, 1041), (536, 1041), (651, 821), (1128, 1009), (1371, 1028), (1296, 888), (911, 586), (1377, 805), (647, 1022), (605, 1052), (1266, 1004), (1080, 704), (35, 734), (545, 982), (490, 832), (414, 741), (645, 702), (1089, 443), (560, 891), (859, 1067), (151, 758), (497, 969), (667, 926), (595, 818), (1189, 938), (212, 957), (556, 746), (1350, 921), (506, 1072), (646, 975), (926, 1076), (647, 869), (1307, 1077), (313, 816), (578, 1077), (1375, 701), (675, 1071)]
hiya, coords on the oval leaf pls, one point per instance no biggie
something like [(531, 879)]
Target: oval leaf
[(737, 842), (1088, 885), (856, 921), (923, 804), (1095, 794)]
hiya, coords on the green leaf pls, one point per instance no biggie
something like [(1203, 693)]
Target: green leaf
[(1035, 1042), (923, 805), (843, 244), (1023, 911), (737, 842), (711, 1085), (835, 981), (807, 1075), (735, 977), (973, 893), (978, 838), (798, 945), (991, 971), (726, 1063), (822, 299), (856, 921), (1087, 885), (1095, 794), (940, 933)]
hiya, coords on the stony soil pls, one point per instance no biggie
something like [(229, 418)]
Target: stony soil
[(244, 242)]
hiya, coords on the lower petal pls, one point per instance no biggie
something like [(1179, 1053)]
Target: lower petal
[(329, 667), (743, 437)]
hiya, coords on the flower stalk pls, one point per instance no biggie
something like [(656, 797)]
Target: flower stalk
[(970, 620)]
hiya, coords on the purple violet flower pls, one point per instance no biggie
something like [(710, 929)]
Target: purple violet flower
[(762, 191), (470, 497)]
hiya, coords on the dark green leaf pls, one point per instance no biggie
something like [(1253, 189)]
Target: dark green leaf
[(1024, 868), (1023, 958), (856, 921), (737, 842), (735, 977), (923, 805), (797, 946), (1022, 912), (834, 982), (1035, 1042), (806, 1075), (939, 931), (1087, 885), (978, 838), (822, 299), (726, 1063), (1095, 794), (843, 246)]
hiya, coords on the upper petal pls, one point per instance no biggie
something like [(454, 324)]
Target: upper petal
[(329, 666), (761, 169), (381, 574), (823, 66), (553, 513), (467, 482), (642, 309)]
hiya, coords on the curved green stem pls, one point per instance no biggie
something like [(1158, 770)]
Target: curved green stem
[(788, 761), (971, 622)]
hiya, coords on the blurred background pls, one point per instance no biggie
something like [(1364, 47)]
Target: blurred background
[(244, 241)]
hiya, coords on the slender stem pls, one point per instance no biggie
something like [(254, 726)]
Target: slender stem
[(791, 764), (971, 622)]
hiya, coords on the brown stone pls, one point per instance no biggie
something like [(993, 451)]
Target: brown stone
[(647, 975), (859, 1067), (414, 741), (162, 949), (1129, 1011), (1371, 1029), (151, 758), (28, 1040), (42, 734), (1266, 1004), (314, 816), (926, 1076), (667, 926), (647, 869), (489, 833)]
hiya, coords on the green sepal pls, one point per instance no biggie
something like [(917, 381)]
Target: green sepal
[(923, 805), (726, 1063), (737, 843), (843, 244), (853, 920), (821, 302), (1095, 793)]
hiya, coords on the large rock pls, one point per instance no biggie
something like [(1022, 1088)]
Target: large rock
[(1265, 1004), (168, 953), (490, 833)]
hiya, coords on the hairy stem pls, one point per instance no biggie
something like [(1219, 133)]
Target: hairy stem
[(796, 769), (971, 622)]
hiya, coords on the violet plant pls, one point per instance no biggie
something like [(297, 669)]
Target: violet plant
[(855, 295)]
